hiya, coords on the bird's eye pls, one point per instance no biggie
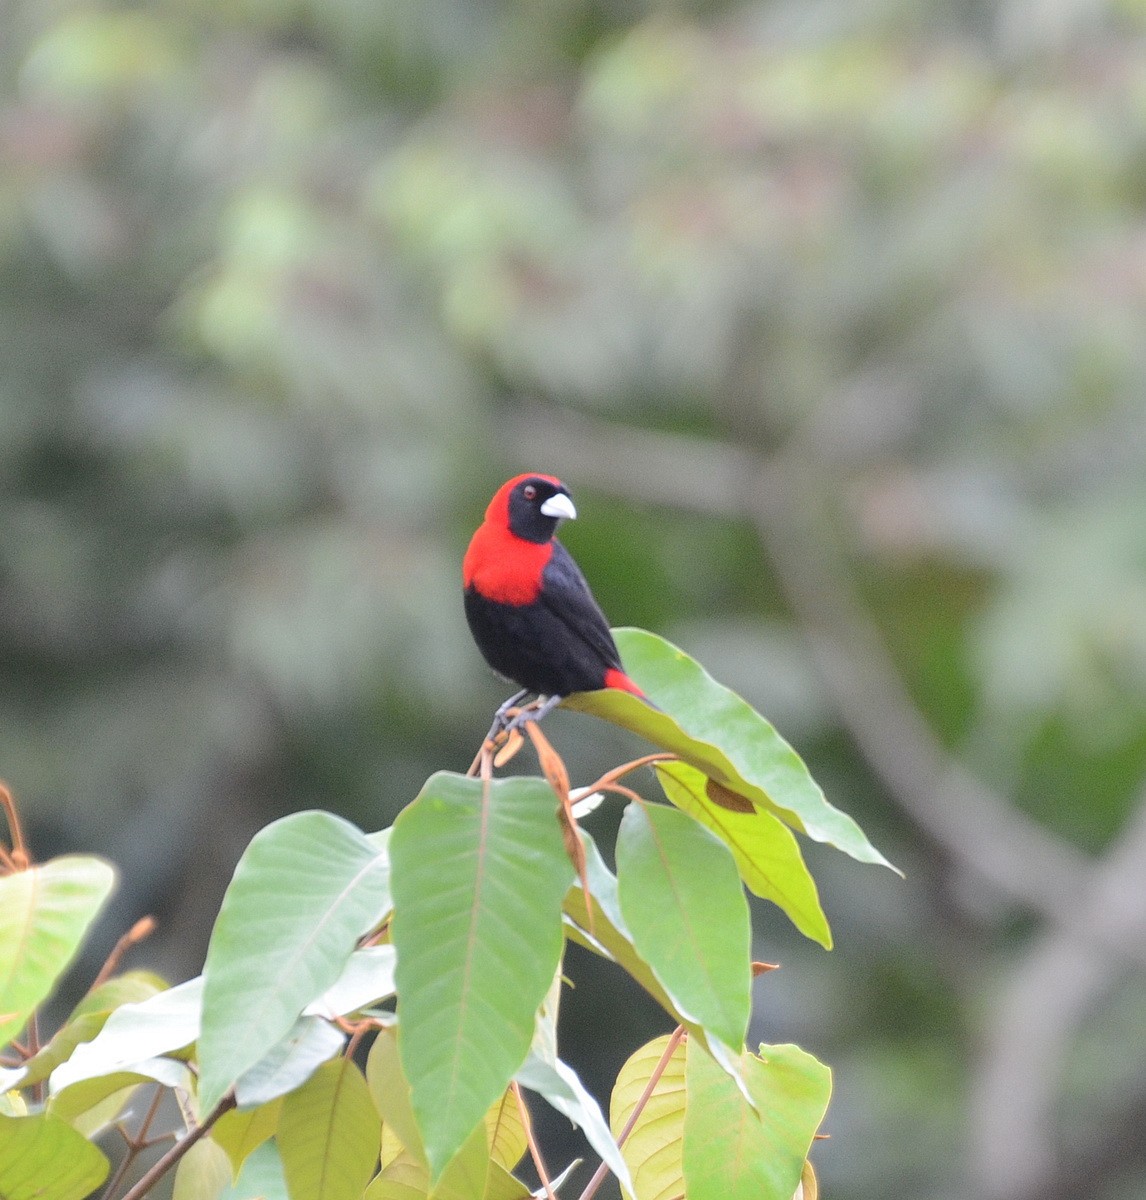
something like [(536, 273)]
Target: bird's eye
[(529, 491)]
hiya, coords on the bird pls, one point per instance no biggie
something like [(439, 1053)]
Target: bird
[(528, 605)]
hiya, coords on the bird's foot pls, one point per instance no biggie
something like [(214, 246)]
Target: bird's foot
[(535, 711)]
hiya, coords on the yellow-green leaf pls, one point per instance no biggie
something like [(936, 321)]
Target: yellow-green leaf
[(655, 1145), (505, 1132), (203, 1172), (44, 1158), (328, 1134), (241, 1130), (765, 849)]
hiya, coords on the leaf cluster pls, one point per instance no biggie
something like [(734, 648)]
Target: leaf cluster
[(298, 1076)]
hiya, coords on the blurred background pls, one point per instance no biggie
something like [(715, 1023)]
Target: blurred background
[(831, 315)]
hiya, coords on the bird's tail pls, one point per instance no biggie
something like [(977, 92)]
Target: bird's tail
[(619, 680)]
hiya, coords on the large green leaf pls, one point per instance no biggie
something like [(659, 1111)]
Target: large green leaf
[(328, 1134), (610, 936), (479, 873), (654, 1148), (733, 1152), (611, 939), (44, 913), (307, 887), (682, 899), (44, 1158), (766, 851), (711, 727)]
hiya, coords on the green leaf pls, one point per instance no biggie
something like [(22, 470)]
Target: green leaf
[(734, 1153), (655, 1146), (311, 1042), (682, 898), (243, 1130), (44, 913), (611, 939), (766, 852), (307, 887), (367, 978), (610, 935), (204, 1172), (44, 1158), (716, 731), (328, 1134), (261, 1177), (558, 1083), (88, 1018), (135, 1034), (478, 874)]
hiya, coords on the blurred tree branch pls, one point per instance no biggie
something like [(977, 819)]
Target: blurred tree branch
[(1033, 1021)]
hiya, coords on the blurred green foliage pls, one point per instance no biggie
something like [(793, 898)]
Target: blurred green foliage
[(283, 283)]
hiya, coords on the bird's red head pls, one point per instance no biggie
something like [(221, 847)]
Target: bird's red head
[(530, 506)]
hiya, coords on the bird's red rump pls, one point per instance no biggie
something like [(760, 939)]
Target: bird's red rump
[(505, 568), (620, 681)]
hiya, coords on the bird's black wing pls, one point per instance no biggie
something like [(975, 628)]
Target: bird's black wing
[(567, 596)]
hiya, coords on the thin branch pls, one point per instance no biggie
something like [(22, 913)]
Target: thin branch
[(163, 1165), (18, 857), (624, 769), (534, 1150), (135, 1144), (603, 1170), (143, 928)]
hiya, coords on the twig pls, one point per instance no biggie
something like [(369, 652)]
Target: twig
[(603, 1170), (18, 857), (134, 1144), (163, 1165), (624, 769), (143, 928), (534, 1150)]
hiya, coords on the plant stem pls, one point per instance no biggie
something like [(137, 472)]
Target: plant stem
[(141, 929), (149, 1179), (19, 854), (603, 1170), (135, 1144), (534, 1150)]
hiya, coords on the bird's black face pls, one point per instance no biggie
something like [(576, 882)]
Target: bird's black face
[(536, 504)]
